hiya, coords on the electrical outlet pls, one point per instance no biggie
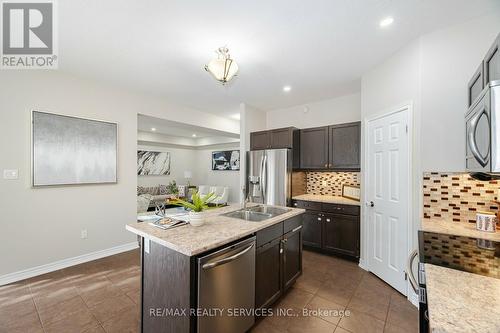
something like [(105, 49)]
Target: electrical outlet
[(84, 234), (11, 174)]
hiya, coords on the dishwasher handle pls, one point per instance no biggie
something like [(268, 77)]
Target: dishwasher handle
[(226, 260)]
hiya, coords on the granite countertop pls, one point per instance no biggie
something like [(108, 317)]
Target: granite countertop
[(457, 229), (327, 199), (217, 230), (462, 302)]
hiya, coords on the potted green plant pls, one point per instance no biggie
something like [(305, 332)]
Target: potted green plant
[(196, 207)]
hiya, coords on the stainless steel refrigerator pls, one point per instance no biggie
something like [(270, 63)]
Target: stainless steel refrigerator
[(269, 176)]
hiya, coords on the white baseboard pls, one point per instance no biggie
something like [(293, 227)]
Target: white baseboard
[(31, 272), (362, 265)]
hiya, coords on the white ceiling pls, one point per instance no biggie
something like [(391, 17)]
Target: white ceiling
[(320, 48)]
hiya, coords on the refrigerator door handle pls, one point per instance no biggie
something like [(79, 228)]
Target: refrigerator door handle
[(264, 180)]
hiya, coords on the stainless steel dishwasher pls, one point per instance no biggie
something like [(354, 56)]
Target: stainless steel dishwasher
[(226, 283)]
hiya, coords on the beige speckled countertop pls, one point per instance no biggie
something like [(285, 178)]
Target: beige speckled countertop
[(217, 230), (457, 229), (327, 199), (462, 302)]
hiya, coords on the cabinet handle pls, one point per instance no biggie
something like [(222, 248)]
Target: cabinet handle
[(295, 204), (297, 229), (331, 165), (326, 165)]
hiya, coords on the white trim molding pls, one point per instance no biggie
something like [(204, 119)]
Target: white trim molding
[(47, 268)]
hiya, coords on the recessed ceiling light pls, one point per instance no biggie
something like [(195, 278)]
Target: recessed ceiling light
[(287, 88), (153, 129), (194, 135), (386, 22)]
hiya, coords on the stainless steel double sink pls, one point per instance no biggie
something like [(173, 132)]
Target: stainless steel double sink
[(257, 213)]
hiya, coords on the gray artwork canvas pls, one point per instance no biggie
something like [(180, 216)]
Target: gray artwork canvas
[(153, 163), (69, 150)]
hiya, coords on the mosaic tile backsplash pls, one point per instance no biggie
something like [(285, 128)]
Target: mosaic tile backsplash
[(330, 183), (464, 253), (457, 197)]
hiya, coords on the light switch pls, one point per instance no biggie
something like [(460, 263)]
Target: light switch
[(11, 174)]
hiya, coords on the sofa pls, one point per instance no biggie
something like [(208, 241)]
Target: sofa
[(158, 193)]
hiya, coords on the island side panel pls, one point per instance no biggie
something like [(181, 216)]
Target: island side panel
[(166, 286)]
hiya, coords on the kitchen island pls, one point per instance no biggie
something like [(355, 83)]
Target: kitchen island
[(213, 277)]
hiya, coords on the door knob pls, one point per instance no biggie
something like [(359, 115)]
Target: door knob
[(372, 204)]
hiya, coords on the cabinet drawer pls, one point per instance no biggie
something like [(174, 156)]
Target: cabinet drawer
[(292, 223), (266, 235), (341, 209), (310, 205)]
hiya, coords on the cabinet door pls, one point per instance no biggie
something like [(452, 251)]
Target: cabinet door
[(281, 138), (341, 234), (268, 273), (260, 140), (314, 148), (311, 230), (492, 62), (292, 257), (345, 146)]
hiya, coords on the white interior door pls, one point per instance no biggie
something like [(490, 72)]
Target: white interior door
[(388, 197)]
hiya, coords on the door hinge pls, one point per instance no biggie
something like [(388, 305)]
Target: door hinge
[(406, 276), (406, 128)]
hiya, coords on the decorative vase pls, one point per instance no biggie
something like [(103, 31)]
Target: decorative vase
[(196, 219)]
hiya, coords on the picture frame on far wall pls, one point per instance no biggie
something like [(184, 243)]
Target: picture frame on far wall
[(228, 160), (68, 150), (153, 163)]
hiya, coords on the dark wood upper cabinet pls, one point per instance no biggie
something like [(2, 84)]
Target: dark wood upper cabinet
[(335, 147), (268, 274), (314, 148), (292, 257), (492, 63), (260, 140), (476, 85), (274, 139), (341, 234), (345, 146), (282, 138)]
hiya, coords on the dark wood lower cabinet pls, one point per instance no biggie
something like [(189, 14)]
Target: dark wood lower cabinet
[(292, 257), (332, 228), (341, 234), (311, 231), (268, 274), (278, 261)]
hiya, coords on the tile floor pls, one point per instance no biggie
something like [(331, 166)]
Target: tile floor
[(103, 296)]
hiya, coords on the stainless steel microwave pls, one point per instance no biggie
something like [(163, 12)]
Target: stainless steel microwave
[(482, 125)]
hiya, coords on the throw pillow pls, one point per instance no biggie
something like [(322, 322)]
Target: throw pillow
[(163, 189)]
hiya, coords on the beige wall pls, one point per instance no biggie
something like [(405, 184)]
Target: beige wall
[(43, 225)]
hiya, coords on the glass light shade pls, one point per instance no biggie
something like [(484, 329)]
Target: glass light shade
[(223, 69)]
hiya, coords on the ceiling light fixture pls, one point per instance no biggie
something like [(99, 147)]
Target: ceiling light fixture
[(386, 22), (223, 69), (153, 129), (287, 88), (194, 135)]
